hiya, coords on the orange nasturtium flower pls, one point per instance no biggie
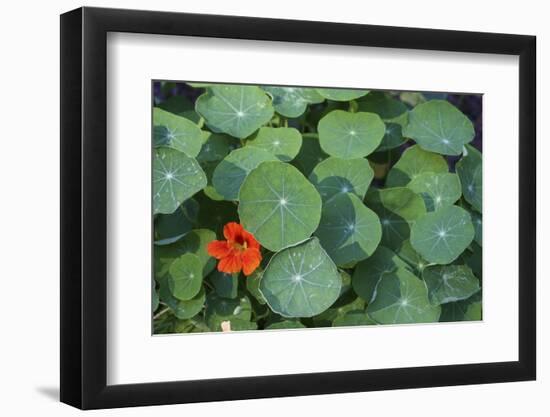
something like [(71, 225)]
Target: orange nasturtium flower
[(240, 251)]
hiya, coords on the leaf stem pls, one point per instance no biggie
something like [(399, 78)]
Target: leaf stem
[(160, 313)]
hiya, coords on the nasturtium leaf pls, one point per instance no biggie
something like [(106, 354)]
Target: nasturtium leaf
[(233, 169), (215, 147), (209, 191), (220, 309), (237, 110), (176, 132), (344, 304), (477, 221), (438, 126), (282, 142), (450, 283), (388, 108), (474, 259), (182, 309), (437, 190), (470, 173), (368, 273), (225, 285), (350, 135), (194, 242), (285, 324), (278, 205), (171, 227), (214, 215), (465, 310), (441, 236), (336, 176), (176, 177), (397, 208), (413, 162), (301, 281), (253, 285), (349, 231), (341, 94), (402, 297), (293, 101), (185, 276), (407, 253), (180, 106), (310, 154), (393, 113), (353, 318)]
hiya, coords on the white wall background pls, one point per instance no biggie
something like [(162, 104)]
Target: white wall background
[(29, 207)]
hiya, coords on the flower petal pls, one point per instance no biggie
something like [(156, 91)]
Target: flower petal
[(230, 263), (251, 242), (232, 231), (251, 260), (218, 249)]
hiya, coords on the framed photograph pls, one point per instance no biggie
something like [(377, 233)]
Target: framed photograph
[(258, 208)]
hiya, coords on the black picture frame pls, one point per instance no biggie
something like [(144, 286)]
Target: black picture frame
[(84, 207)]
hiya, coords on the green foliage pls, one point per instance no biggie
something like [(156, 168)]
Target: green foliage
[(279, 205), (362, 216), (301, 281), (438, 126), (350, 135)]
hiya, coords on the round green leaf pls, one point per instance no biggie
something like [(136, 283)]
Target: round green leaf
[(180, 106), (477, 221), (183, 309), (389, 109), (407, 253), (225, 285), (349, 231), (253, 285), (293, 101), (237, 110), (465, 310), (185, 276), (215, 147), (336, 176), (437, 190), (220, 309), (176, 132), (368, 273), (350, 135), (440, 127), (397, 209), (233, 169), (214, 215), (282, 142), (413, 162), (285, 324), (450, 283), (401, 297), (341, 94), (441, 236), (310, 154), (278, 205), (353, 318), (176, 177), (346, 303), (194, 242), (393, 113), (301, 281), (469, 171), (171, 227)]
